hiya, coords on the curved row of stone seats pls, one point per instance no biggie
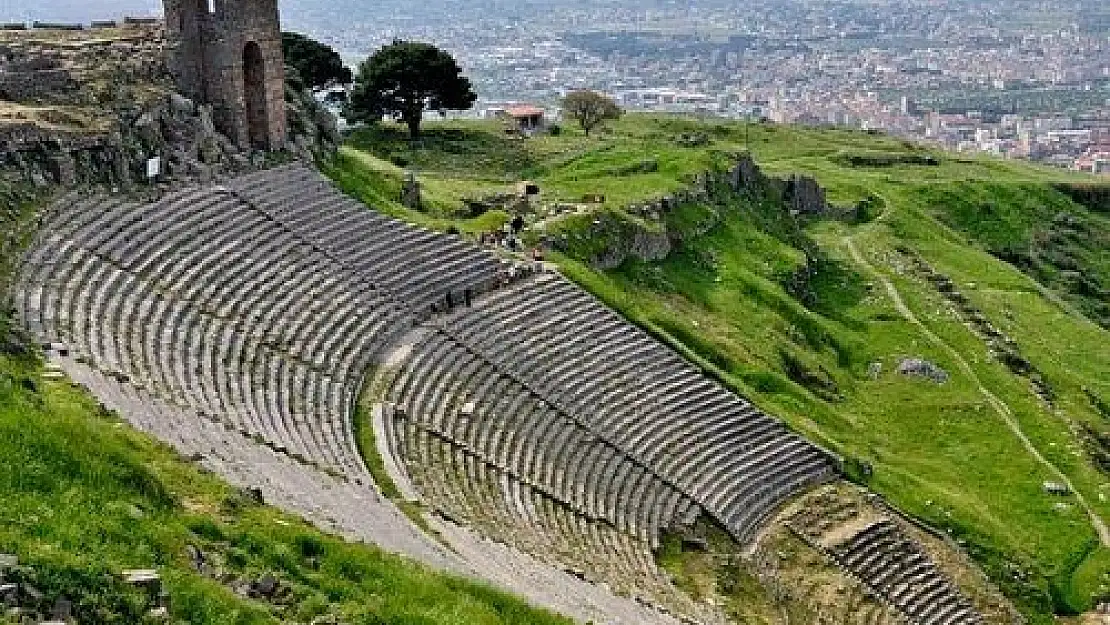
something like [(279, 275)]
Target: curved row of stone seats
[(897, 569), (121, 358), (463, 487), (246, 412), (420, 267), (460, 396), (739, 464), (218, 448), (210, 302)]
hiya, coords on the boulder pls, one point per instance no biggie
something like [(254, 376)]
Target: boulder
[(196, 557), (920, 367), (874, 370), (265, 587), (805, 196), (62, 610), (1056, 488), (181, 106)]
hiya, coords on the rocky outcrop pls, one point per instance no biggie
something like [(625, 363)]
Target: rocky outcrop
[(636, 242), (643, 231), (746, 174), (174, 131), (802, 194), (100, 107), (805, 196), (313, 129)]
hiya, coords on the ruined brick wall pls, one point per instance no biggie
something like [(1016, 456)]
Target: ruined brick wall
[(184, 30), (246, 72), (232, 59)]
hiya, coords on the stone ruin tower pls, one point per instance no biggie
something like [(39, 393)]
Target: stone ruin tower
[(227, 53)]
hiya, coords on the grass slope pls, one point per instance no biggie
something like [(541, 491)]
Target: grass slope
[(817, 344)]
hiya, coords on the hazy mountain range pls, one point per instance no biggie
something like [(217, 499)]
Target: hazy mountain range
[(75, 10)]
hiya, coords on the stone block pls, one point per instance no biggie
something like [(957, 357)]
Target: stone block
[(64, 169), (56, 26), (1056, 488)]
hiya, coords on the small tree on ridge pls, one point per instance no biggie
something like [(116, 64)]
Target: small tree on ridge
[(590, 108), (403, 80)]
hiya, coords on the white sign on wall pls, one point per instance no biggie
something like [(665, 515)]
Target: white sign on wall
[(153, 167)]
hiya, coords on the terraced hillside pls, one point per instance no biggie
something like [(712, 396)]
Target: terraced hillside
[(239, 323), (938, 322)]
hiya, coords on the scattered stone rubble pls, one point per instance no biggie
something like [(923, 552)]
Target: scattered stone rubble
[(875, 545), (924, 369), (23, 601)]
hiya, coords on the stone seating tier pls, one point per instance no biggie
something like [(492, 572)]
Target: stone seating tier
[(452, 393), (463, 487), (208, 301), (896, 568), (736, 462), (369, 243)]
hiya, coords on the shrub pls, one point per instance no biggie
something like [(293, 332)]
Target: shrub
[(858, 471)]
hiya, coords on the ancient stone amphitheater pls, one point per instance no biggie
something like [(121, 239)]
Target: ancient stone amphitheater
[(553, 443)]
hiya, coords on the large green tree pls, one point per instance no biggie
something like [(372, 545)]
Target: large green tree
[(319, 65), (406, 78)]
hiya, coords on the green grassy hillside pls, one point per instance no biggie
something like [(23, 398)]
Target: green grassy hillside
[(985, 268), (83, 497)]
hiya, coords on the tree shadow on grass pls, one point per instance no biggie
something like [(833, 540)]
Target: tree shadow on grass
[(463, 152)]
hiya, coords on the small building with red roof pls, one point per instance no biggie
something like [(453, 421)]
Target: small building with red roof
[(525, 117)]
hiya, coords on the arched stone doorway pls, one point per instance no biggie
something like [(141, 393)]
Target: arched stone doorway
[(254, 87)]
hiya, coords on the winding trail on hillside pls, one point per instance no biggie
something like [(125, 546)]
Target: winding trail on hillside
[(1000, 407)]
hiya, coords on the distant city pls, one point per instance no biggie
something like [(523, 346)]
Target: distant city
[(1016, 78)]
